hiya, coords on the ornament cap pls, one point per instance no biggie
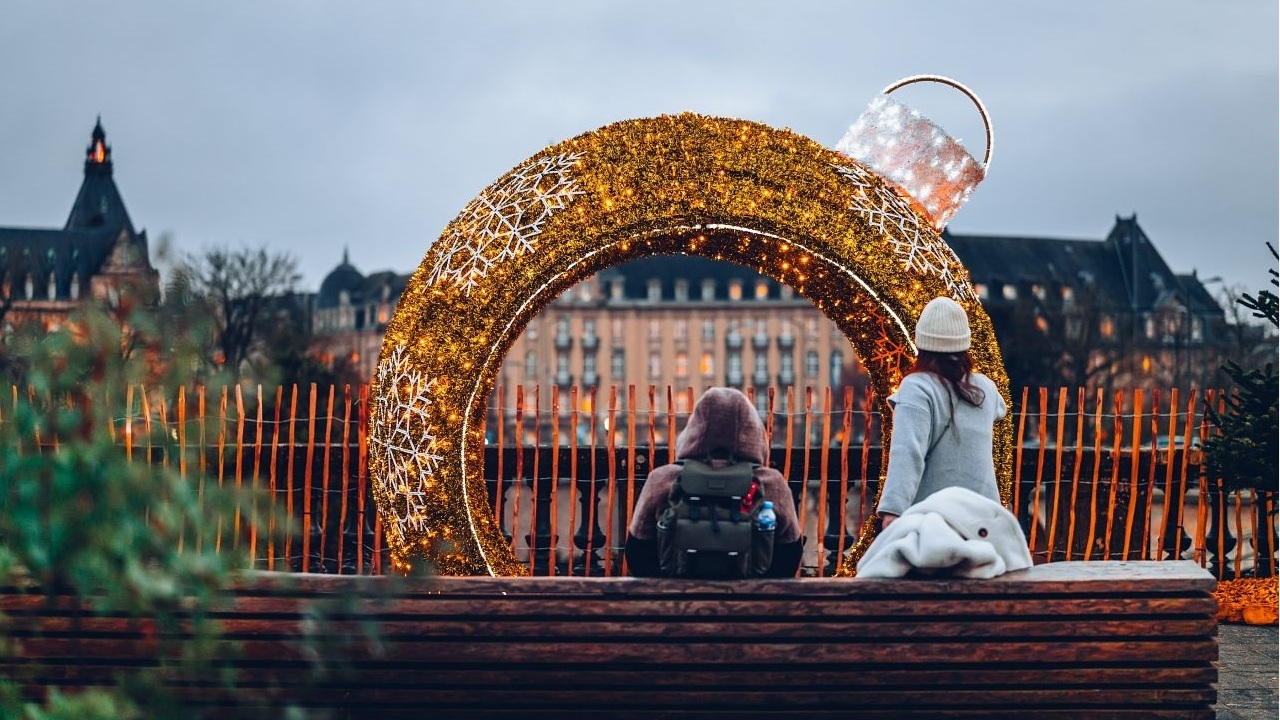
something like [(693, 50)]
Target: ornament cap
[(931, 167)]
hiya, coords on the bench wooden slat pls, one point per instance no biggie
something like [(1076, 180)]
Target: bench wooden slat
[(615, 629)]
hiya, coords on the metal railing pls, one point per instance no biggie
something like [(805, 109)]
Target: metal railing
[(1097, 475)]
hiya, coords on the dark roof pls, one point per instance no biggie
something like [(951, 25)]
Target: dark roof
[(1197, 296), (98, 205), (342, 278), (26, 251), (1125, 268), (694, 269), (359, 289)]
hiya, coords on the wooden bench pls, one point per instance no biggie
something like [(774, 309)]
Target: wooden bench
[(1064, 640)]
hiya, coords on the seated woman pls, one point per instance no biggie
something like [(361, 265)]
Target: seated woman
[(725, 427)]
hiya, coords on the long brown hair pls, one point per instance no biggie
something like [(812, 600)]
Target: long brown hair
[(954, 368)]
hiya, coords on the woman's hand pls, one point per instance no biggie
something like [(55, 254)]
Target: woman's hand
[(886, 519)]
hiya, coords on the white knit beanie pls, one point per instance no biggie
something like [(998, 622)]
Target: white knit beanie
[(943, 327)]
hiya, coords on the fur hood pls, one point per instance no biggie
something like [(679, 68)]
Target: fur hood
[(724, 420)]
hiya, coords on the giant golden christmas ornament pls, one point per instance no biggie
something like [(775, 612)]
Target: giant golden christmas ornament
[(805, 215)]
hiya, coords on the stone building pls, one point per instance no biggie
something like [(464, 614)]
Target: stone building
[(47, 273), (683, 322), (350, 316), (1091, 313)]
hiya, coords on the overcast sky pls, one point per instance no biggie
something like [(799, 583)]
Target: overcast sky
[(311, 126)]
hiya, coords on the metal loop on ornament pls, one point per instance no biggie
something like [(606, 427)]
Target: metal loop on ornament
[(982, 110)]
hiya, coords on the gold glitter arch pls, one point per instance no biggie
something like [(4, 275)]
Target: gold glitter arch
[(720, 188)]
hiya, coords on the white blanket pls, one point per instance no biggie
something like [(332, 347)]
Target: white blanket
[(954, 532)]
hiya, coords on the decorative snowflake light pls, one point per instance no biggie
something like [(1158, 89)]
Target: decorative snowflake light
[(719, 188), (504, 222), (917, 245), (405, 442)]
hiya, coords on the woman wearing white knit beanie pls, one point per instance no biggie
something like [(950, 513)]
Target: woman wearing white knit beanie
[(943, 414)]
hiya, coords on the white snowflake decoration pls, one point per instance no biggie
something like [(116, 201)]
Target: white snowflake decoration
[(404, 439), (921, 250), (504, 221)]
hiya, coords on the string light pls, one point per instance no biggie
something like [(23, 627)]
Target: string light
[(719, 188)]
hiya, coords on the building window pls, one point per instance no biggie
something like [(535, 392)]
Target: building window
[(531, 365), (1197, 329), (735, 364), (29, 288), (53, 287), (735, 289), (837, 367), (786, 292), (982, 290), (680, 330), (589, 364), (1010, 292), (75, 286), (615, 289), (655, 365), (762, 364), (682, 364), (584, 291), (1106, 326), (1075, 327), (682, 290), (708, 364), (762, 289), (1038, 290), (589, 328), (1149, 326), (655, 289), (708, 290), (708, 330), (811, 328), (562, 364), (616, 328), (531, 330), (618, 364), (655, 331), (762, 404), (682, 403), (1068, 295), (787, 364), (811, 363), (1042, 325)]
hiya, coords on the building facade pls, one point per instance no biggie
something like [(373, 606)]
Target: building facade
[(46, 274), (684, 322), (350, 316), (1094, 314)]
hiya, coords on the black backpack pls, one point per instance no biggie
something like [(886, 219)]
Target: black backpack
[(705, 532)]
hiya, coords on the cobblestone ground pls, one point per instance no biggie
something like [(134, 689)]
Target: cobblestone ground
[(1247, 667)]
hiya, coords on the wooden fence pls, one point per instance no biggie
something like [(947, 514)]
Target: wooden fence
[(1098, 475)]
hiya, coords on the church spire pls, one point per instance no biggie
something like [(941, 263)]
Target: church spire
[(97, 156), (98, 205)]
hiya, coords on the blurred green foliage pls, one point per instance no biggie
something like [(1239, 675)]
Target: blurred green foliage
[(79, 518)]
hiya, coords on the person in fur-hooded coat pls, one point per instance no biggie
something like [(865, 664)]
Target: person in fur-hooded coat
[(723, 424)]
